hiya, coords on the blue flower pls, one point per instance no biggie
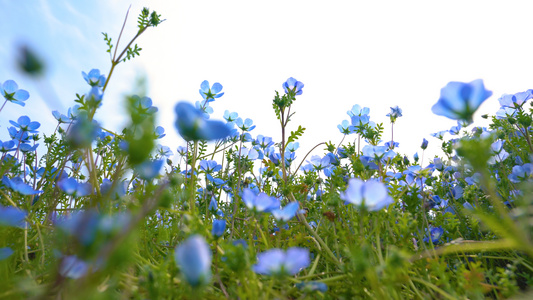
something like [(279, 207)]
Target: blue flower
[(208, 93), (71, 186), (149, 169), (358, 111), (345, 127), (12, 93), (373, 195), (210, 166), (193, 126), (118, 191), (499, 154), (83, 132), (7, 146), (11, 216), (73, 267), (25, 124), (260, 202), (435, 234), (293, 85), (516, 100), (286, 213), (264, 141), (245, 125), (94, 78), (143, 105), (219, 226), (520, 173), (5, 252), (277, 261), (61, 118), (230, 117), (193, 257), (320, 163), (424, 144), (459, 100), (395, 113), (18, 185)]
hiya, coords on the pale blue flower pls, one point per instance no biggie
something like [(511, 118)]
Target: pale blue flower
[(459, 100), (193, 257), (277, 261)]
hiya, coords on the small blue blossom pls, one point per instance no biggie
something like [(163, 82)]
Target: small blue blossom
[(230, 117), (264, 141), (219, 226), (61, 118), (395, 113), (286, 213), (73, 267), (149, 169), (11, 92), (246, 125), (259, 202), (210, 93), (424, 144), (345, 127), (12, 216), (435, 234), (193, 126), (293, 85), (25, 124), (459, 100), (18, 185), (5, 252), (373, 195), (193, 257), (277, 261), (143, 105), (520, 173), (72, 187), (94, 78), (516, 100), (358, 111)]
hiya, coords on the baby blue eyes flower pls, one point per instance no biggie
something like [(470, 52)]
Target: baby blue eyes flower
[(5, 252), (424, 144), (278, 262), (219, 226), (18, 185), (193, 126), (210, 93), (11, 216), (520, 173), (94, 78), (11, 92), (373, 195), (286, 213), (260, 202), (293, 85), (72, 187), (25, 124), (459, 100), (345, 127), (516, 100), (73, 267), (245, 125), (434, 234), (395, 113), (193, 257)]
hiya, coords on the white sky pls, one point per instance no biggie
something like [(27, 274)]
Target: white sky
[(372, 53)]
